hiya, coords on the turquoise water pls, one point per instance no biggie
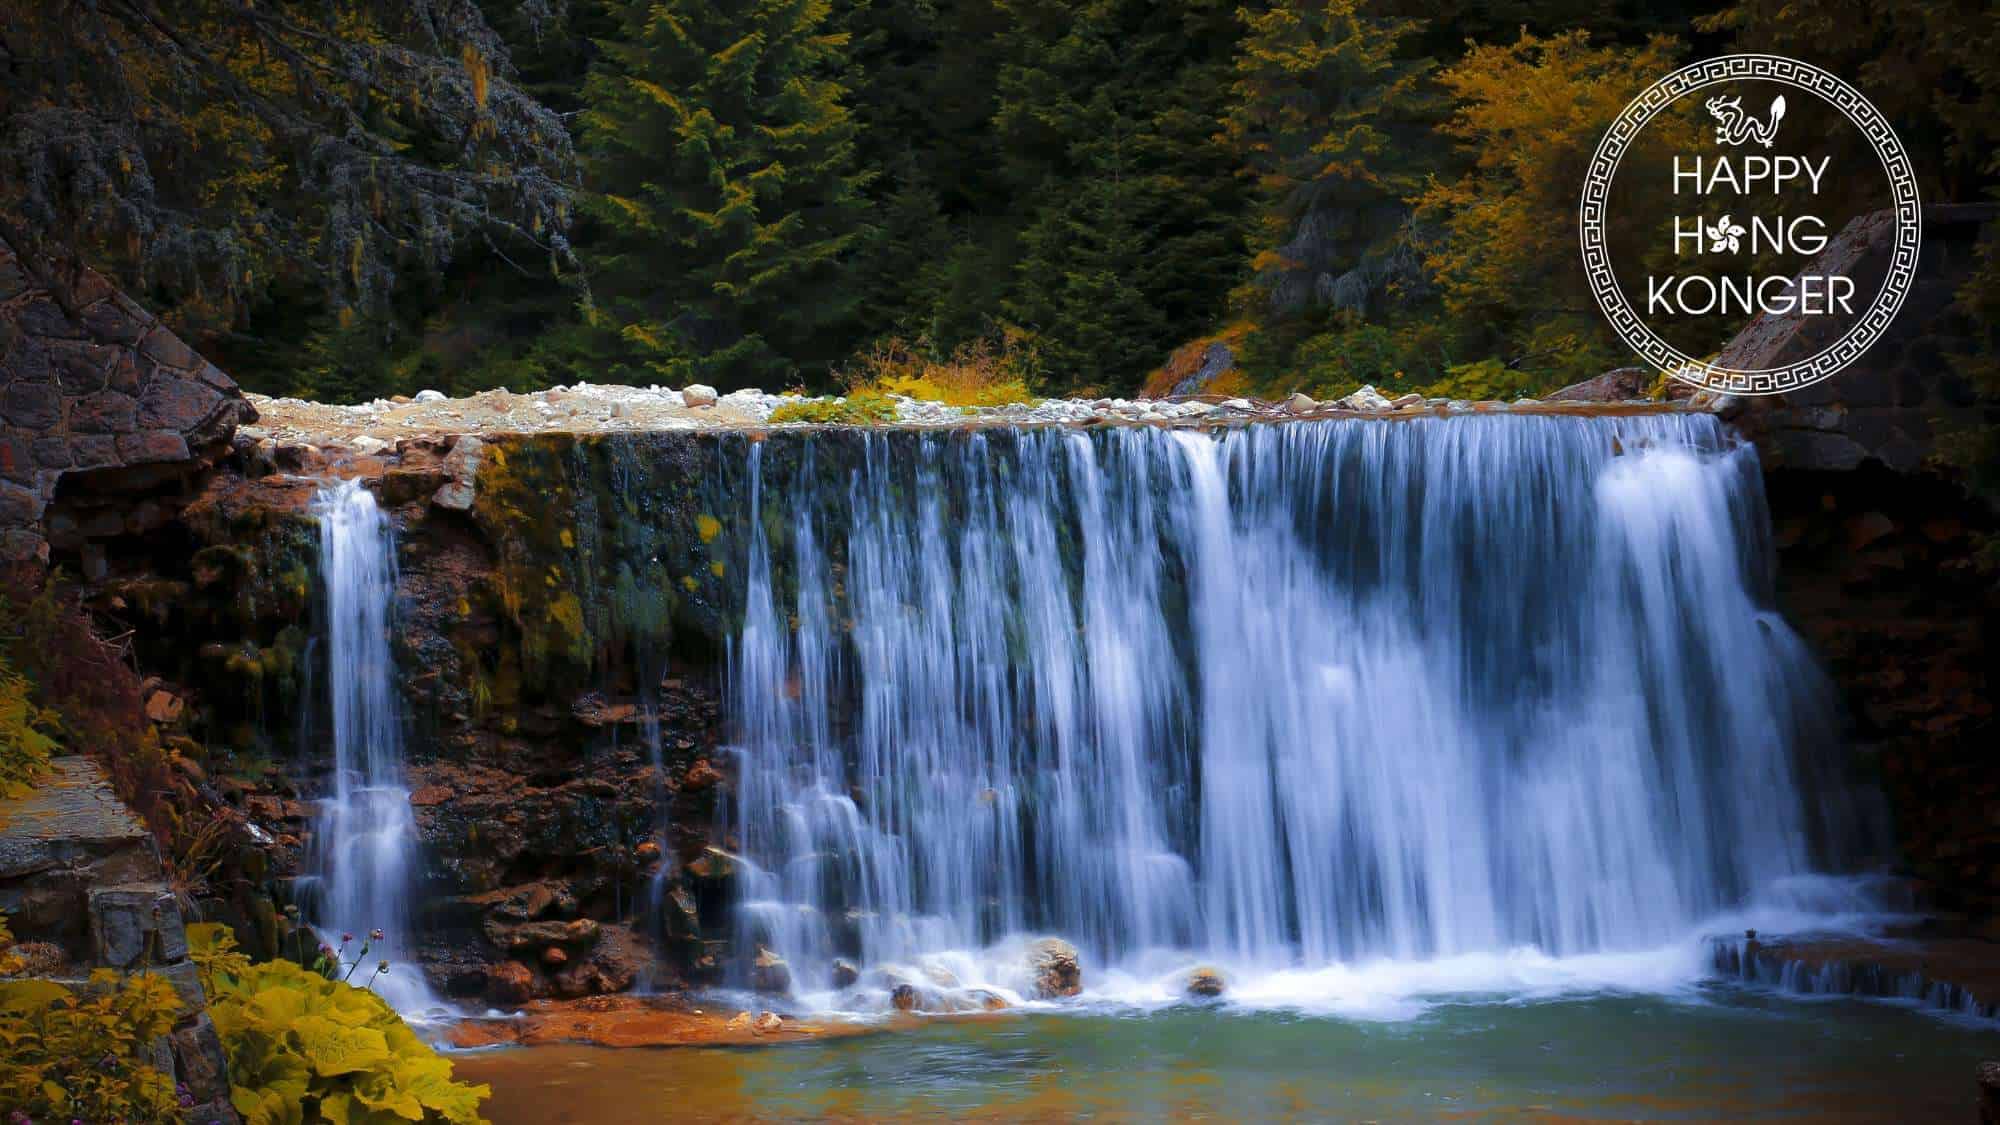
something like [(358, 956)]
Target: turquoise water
[(1726, 1054)]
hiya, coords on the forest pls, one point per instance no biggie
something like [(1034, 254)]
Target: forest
[(361, 198)]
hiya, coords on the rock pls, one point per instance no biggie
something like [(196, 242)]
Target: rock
[(769, 973), (698, 394), (199, 1060), (1621, 385), (1300, 402), (510, 982), (430, 796), (767, 1023), (533, 936), (1404, 401), (1205, 982), (554, 955), (906, 998), (136, 925), (1052, 965), (1367, 398), (462, 466), (739, 1022), (1989, 1093), (1241, 404), (845, 974), (430, 396), (454, 497)]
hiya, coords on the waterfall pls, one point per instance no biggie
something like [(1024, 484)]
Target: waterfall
[(365, 842), (1279, 696)]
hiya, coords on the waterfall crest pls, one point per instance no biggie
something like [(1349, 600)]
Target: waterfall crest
[(365, 841), (1285, 696)]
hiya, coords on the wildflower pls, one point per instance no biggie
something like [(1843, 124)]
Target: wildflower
[(345, 938), (374, 935), (382, 967)]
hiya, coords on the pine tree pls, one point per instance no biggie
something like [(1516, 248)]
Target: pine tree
[(1129, 91), (1335, 127), (724, 192)]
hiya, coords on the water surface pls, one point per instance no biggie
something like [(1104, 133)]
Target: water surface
[(1723, 1054)]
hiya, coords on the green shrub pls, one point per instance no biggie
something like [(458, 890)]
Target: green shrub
[(302, 1047), (70, 1057)]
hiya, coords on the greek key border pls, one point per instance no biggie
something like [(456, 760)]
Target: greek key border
[(1861, 335)]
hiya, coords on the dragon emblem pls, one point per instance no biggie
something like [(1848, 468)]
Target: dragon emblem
[(1737, 127)]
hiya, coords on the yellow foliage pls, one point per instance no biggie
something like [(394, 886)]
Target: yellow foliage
[(303, 1047), (982, 372), (858, 408), (708, 527), (1530, 114), (25, 733), (66, 1056)]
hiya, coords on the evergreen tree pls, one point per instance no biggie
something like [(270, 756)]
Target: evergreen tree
[(725, 197), (1107, 112), (1335, 128)]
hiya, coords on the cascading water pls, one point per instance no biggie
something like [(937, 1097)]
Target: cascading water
[(366, 837), (1281, 697)]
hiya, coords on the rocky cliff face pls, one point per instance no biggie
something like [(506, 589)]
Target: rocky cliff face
[(98, 399)]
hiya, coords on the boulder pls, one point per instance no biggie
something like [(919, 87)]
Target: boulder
[(906, 998), (698, 394), (769, 973), (1299, 402), (1367, 398), (1206, 982), (844, 974), (1053, 967)]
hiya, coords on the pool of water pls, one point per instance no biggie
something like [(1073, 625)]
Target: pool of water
[(1720, 1052)]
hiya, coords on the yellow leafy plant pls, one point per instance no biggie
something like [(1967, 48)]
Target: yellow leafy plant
[(25, 733), (81, 1056), (305, 1048)]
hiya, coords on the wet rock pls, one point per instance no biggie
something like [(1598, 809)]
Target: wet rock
[(769, 973), (845, 974), (510, 982), (1989, 1093), (698, 394), (554, 955), (1206, 982), (906, 998), (767, 1023), (1053, 967)]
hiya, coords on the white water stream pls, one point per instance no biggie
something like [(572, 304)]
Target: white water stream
[(1357, 711)]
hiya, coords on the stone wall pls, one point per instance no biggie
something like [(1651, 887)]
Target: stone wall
[(93, 385)]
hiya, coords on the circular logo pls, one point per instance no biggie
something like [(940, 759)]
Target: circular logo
[(1747, 132)]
